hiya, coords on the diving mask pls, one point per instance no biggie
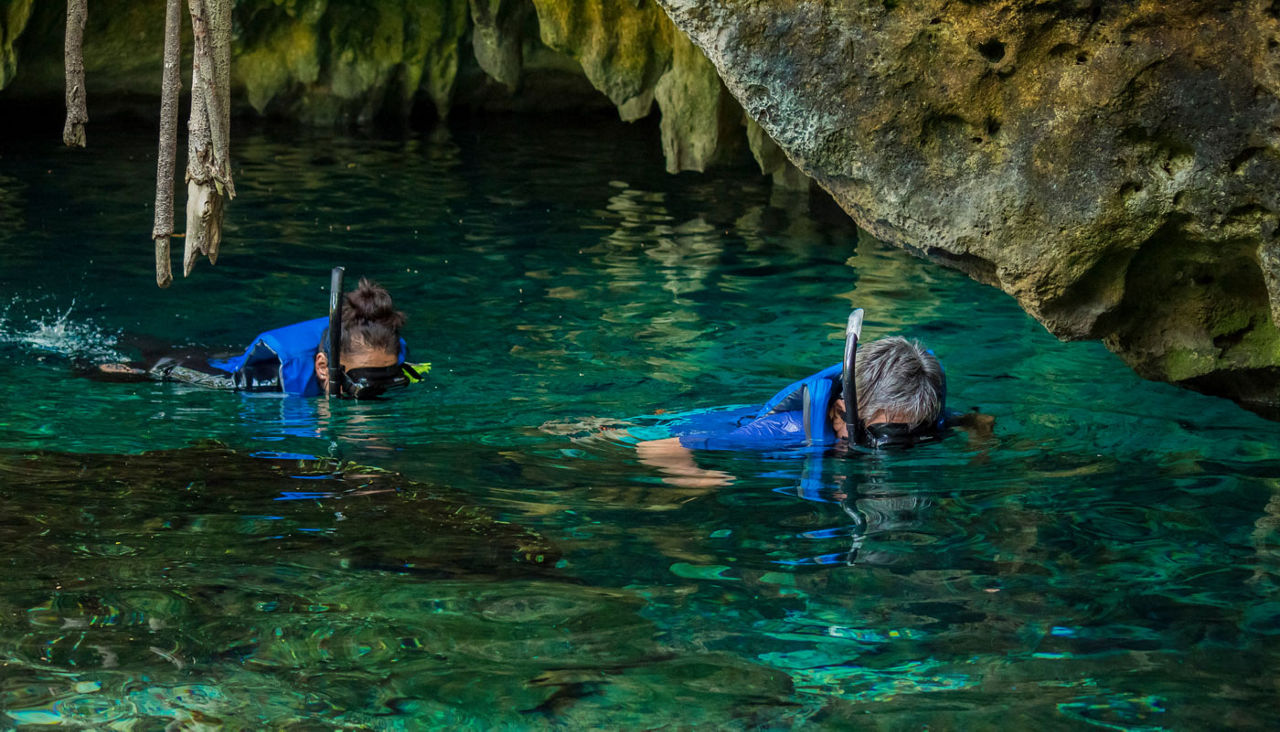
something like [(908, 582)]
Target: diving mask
[(897, 434), (372, 382)]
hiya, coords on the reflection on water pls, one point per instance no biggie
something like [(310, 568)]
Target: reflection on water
[(1109, 557)]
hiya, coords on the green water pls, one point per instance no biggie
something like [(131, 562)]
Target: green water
[(1109, 557)]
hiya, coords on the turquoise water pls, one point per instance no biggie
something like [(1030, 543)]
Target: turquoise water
[(1109, 557)]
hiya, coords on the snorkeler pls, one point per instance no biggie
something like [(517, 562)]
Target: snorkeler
[(357, 351), (892, 392)]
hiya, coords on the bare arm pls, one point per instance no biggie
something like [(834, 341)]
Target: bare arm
[(676, 463)]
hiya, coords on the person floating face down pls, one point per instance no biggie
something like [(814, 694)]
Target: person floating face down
[(372, 353), (294, 359), (901, 394)]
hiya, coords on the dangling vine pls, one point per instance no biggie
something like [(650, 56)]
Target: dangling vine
[(73, 57), (170, 91), (209, 184), (208, 177)]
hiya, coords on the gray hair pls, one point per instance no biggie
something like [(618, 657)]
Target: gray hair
[(901, 379)]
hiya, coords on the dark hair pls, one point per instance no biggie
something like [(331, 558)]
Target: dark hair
[(369, 320)]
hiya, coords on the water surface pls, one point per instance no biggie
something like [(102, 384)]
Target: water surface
[(1108, 557)]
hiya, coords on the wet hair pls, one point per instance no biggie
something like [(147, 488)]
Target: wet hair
[(369, 321), (901, 379)]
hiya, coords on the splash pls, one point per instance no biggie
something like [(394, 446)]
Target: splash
[(58, 333)]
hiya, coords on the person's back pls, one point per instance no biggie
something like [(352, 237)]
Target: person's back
[(295, 358)]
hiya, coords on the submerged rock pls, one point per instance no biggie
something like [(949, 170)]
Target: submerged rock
[(362, 514), (1110, 165)]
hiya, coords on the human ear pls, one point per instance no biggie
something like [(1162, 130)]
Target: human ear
[(322, 368)]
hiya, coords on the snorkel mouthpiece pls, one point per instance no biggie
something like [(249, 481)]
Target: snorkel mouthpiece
[(336, 376), (849, 385)]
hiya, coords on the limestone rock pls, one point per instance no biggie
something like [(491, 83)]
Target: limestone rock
[(700, 120), (13, 20), (326, 62), (772, 160), (623, 46), (1110, 165), (631, 52), (455, 537), (497, 38)]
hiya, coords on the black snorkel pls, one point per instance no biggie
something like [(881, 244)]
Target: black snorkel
[(883, 434), (848, 385), (335, 332), (364, 382)]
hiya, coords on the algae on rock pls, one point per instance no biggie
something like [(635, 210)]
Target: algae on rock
[(623, 47), (496, 38), (700, 120), (633, 54), (331, 62), (12, 22)]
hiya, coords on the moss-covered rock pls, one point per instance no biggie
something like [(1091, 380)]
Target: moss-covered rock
[(326, 62), (13, 20), (497, 38), (623, 47), (701, 122), (1111, 165), (123, 43), (632, 53)]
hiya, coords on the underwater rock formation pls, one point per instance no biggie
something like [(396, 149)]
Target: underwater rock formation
[(1110, 165), (339, 62), (122, 493)]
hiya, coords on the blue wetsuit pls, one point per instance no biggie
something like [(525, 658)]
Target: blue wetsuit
[(277, 360), (794, 417), (780, 431)]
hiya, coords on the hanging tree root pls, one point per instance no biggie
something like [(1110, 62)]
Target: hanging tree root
[(170, 90), (73, 57), (209, 184)]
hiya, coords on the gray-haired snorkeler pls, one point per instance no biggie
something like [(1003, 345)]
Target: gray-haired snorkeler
[(900, 392), (900, 382)]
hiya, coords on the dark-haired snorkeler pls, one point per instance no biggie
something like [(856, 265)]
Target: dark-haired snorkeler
[(363, 328), (890, 393)]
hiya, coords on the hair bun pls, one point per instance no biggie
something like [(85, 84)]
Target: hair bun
[(370, 304)]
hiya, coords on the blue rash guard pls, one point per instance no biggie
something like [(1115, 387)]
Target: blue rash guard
[(794, 417), (286, 353), (281, 360)]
